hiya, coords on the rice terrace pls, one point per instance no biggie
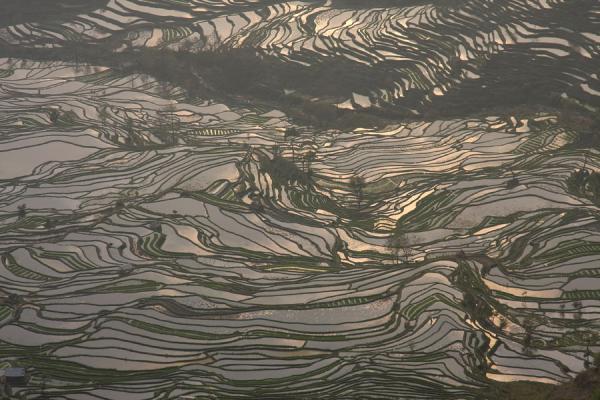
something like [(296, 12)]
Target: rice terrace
[(314, 199)]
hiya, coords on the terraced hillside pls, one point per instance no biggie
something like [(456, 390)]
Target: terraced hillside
[(159, 242), (426, 52)]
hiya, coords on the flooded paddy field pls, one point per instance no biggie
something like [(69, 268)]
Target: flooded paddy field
[(157, 245), (427, 50)]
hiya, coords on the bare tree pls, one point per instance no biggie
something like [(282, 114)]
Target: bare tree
[(77, 44), (399, 246), (21, 211), (394, 247), (173, 121), (292, 145), (211, 42), (357, 184), (54, 116), (309, 158), (130, 127)]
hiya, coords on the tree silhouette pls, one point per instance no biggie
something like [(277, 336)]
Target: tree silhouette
[(596, 358), (21, 211), (309, 157), (399, 246), (54, 116), (130, 127), (357, 185)]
